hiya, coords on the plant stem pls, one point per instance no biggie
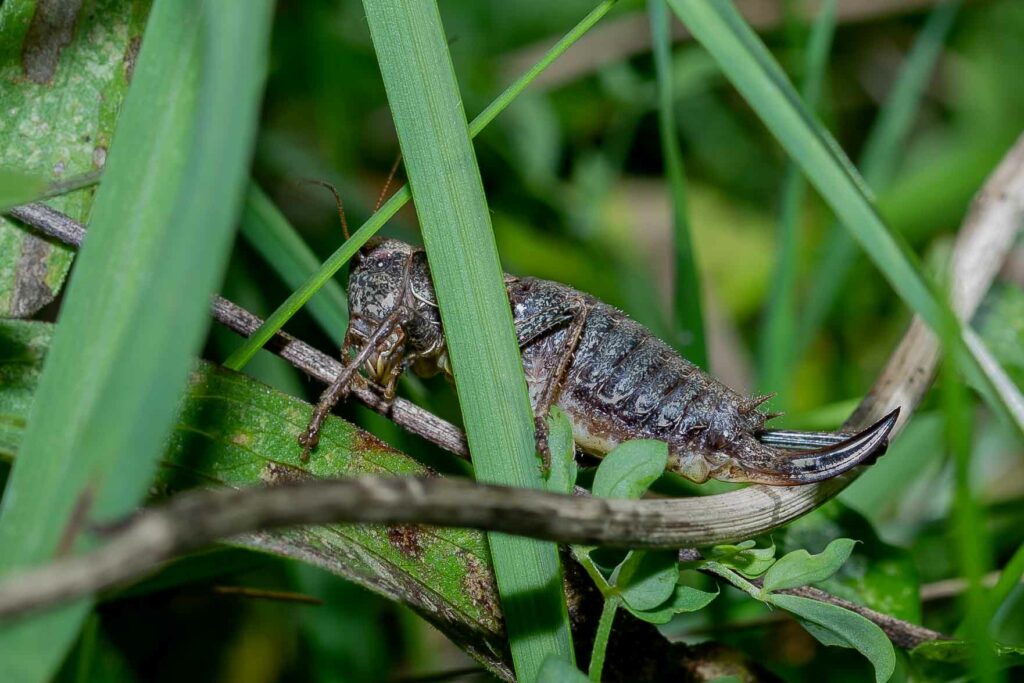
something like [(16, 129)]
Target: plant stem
[(604, 630)]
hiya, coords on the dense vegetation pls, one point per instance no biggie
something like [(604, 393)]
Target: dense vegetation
[(690, 180)]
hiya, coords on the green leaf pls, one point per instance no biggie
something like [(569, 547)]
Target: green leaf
[(233, 431), (426, 106), (882, 576), (562, 477), (60, 104), (800, 568), (748, 64), (683, 599), (841, 627), (556, 669), (137, 311), (630, 468), (646, 579), (744, 557)]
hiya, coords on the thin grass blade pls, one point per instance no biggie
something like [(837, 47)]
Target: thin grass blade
[(689, 315), (17, 187), (971, 538), (779, 327), (437, 148), (276, 320), (281, 246), (882, 150), (136, 311)]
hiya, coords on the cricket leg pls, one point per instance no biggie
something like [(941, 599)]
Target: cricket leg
[(339, 388), (572, 314)]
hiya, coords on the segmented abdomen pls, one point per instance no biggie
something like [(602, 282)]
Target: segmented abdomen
[(624, 383)]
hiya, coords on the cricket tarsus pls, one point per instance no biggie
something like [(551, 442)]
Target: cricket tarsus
[(614, 379)]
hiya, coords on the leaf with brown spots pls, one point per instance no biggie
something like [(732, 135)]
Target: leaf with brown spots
[(64, 71), (234, 431)]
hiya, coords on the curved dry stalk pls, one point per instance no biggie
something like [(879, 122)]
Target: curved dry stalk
[(630, 34), (198, 518)]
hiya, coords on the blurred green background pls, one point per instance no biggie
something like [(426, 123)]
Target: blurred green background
[(575, 181)]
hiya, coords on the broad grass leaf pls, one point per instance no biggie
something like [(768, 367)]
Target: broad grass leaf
[(556, 669), (426, 106), (137, 311), (630, 468)]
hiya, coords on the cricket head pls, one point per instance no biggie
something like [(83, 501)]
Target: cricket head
[(390, 284)]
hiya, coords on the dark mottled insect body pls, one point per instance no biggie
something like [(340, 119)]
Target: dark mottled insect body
[(614, 379)]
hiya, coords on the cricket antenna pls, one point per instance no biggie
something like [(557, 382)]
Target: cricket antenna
[(387, 183), (337, 200)]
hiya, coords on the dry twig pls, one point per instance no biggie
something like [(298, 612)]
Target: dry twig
[(629, 35)]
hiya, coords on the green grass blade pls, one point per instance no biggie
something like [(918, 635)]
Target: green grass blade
[(779, 327), (969, 532), (456, 224), (885, 143), (270, 233), (136, 311), (689, 315), (752, 70), (1008, 580), (19, 188), (276, 320)]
